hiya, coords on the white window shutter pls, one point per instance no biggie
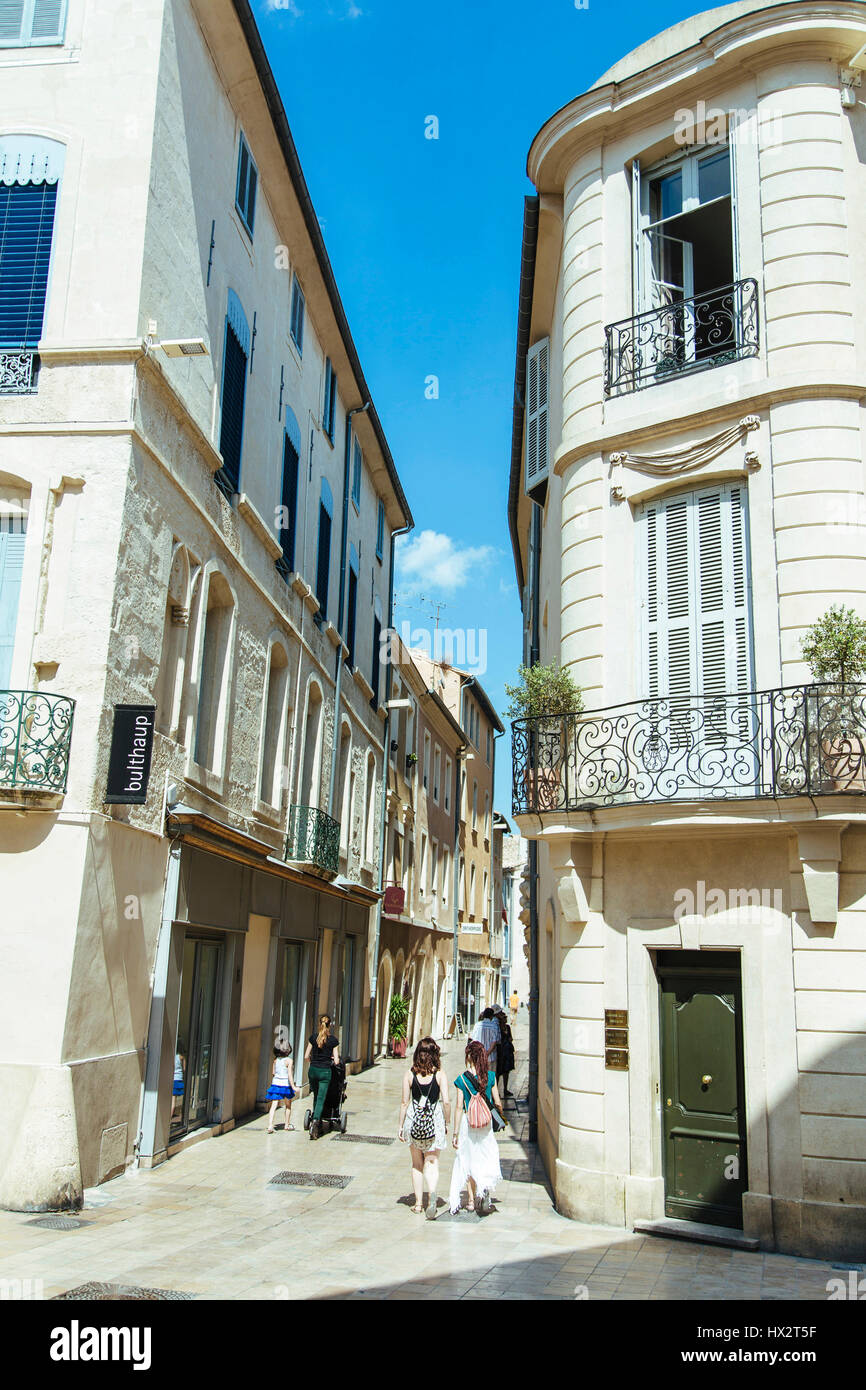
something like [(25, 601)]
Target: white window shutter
[(47, 20), (537, 414), (11, 18)]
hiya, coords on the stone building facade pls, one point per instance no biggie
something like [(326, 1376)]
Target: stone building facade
[(686, 499), (202, 504)]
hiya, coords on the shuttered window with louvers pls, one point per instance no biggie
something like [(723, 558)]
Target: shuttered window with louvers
[(27, 22), (234, 393), (12, 539), (696, 601), (26, 228), (537, 432)]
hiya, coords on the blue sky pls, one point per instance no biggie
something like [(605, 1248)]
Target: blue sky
[(424, 236)]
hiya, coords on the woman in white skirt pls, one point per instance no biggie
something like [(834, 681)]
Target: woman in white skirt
[(424, 1116), (476, 1166)]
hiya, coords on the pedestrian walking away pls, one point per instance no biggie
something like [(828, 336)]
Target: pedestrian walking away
[(282, 1087), (504, 1054), (323, 1051), (476, 1166), (425, 1113), (487, 1032)]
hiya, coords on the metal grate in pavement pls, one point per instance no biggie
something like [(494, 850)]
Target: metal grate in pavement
[(109, 1293), (58, 1223), (366, 1139), (290, 1179)]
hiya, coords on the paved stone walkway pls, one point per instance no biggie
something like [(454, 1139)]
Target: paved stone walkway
[(208, 1223)]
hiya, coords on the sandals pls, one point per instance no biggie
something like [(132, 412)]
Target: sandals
[(417, 1210)]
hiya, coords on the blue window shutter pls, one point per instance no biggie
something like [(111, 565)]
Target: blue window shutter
[(377, 638), (48, 21), (11, 21), (297, 316), (289, 501), (323, 566), (356, 475), (245, 193), (26, 228), (380, 531), (11, 568), (352, 614), (232, 430)]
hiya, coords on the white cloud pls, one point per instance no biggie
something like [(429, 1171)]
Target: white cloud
[(433, 560), (283, 6), (354, 11)]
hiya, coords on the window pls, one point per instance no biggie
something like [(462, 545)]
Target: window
[(380, 531), (489, 745), (214, 675), (422, 878), (357, 465), (13, 534), (370, 840), (426, 761), (30, 170), (270, 770), (446, 874), (537, 460), (437, 773), (323, 561), (447, 799), (377, 641), (235, 357), (296, 326), (434, 868), (487, 815), (329, 411), (352, 605), (289, 494), (474, 805), (471, 905), (245, 193), (28, 23)]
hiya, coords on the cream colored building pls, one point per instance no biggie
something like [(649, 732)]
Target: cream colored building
[(687, 497), (197, 505)]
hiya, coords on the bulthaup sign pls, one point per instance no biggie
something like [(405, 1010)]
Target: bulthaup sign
[(131, 748)]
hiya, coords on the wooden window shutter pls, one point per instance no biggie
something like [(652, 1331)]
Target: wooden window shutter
[(537, 430), (11, 21)]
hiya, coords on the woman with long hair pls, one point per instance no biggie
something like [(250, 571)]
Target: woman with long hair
[(476, 1167), (425, 1113), (323, 1049)]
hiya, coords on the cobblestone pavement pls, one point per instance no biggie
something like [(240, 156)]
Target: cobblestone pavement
[(209, 1223)]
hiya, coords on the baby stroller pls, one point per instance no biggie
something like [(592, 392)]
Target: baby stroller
[(333, 1114)]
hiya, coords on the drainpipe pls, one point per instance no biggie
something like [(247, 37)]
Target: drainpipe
[(492, 899), (534, 656), (347, 460), (383, 817), (455, 875)]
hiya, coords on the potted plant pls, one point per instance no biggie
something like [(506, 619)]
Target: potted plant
[(544, 697), (398, 1020), (835, 649), (411, 761)]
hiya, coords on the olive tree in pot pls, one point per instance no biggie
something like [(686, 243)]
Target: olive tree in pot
[(835, 649), (398, 1019), (543, 697)]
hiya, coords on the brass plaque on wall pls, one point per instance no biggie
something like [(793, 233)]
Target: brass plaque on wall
[(616, 1059), (616, 1037), (616, 1018)]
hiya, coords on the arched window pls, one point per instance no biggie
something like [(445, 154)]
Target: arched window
[(472, 904), (235, 358), (273, 731), (311, 776), (370, 846), (214, 675), (172, 659), (344, 768)]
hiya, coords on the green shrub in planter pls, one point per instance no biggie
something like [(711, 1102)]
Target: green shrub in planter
[(835, 649)]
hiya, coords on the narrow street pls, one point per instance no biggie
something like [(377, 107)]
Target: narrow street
[(211, 1224)]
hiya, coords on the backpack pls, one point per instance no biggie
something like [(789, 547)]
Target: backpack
[(423, 1126), (477, 1112)]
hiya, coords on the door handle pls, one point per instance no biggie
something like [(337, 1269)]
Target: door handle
[(706, 1080)]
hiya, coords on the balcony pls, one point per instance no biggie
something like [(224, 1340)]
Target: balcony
[(798, 741), (19, 369), (35, 734), (313, 840), (687, 335)]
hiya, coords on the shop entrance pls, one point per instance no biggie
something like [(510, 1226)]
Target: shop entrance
[(195, 1047), (703, 1088), (468, 996), (289, 1017)]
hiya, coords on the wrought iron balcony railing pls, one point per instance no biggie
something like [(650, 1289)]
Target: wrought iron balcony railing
[(799, 741), (687, 335), (19, 368), (313, 838), (35, 734)]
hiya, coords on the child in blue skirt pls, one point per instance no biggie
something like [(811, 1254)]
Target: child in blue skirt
[(282, 1087)]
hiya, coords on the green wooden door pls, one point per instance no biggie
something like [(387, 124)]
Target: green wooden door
[(702, 1086)]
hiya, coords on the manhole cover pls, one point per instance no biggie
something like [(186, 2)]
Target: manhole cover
[(116, 1292), (58, 1223), (366, 1139), (309, 1180)]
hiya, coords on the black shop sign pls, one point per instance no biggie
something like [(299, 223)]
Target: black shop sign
[(131, 749)]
